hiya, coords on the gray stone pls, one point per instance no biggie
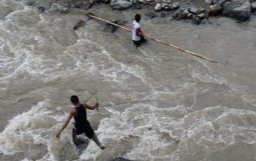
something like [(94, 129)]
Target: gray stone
[(58, 8), (41, 9), (194, 10), (196, 20), (150, 15), (184, 14), (174, 6), (81, 23), (215, 9), (209, 2), (189, 16), (238, 9), (201, 15), (120, 159), (253, 5), (164, 14), (120, 4), (202, 10), (158, 7)]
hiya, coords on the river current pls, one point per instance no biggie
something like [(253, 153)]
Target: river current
[(156, 103)]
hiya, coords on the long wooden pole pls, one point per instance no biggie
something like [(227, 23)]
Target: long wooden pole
[(160, 41)]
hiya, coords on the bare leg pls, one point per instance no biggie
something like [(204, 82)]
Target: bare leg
[(96, 140), (74, 137)]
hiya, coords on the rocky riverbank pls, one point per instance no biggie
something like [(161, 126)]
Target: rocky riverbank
[(196, 10)]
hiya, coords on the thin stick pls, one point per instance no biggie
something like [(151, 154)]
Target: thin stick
[(89, 98), (97, 101), (122, 103), (160, 41)]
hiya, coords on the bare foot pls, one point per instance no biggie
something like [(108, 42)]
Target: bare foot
[(102, 147)]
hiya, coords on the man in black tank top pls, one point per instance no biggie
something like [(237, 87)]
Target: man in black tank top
[(82, 125)]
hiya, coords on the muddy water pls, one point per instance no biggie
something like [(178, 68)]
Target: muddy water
[(157, 103)]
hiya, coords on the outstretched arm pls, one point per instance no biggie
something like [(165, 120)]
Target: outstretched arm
[(96, 106), (71, 114)]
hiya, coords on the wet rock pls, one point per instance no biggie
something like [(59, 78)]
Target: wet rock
[(211, 2), (111, 28), (190, 16), (158, 7), (120, 4), (81, 23), (30, 3), (164, 15), (194, 10), (85, 5), (120, 159), (238, 9), (174, 6), (137, 6), (176, 15), (222, 1), (167, 1), (65, 3), (119, 22), (180, 14), (58, 8), (106, 1), (215, 9), (253, 5), (41, 9), (166, 6), (202, 10), (201, 16), (196, 20), (142, 1), (184, 14), (150, 15)]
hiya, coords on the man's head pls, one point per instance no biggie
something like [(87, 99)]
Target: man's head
[(137, 17), (74, 99)]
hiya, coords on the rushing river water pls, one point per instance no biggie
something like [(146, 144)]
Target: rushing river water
[(157, 103)]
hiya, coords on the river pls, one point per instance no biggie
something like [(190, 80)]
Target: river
[(156, 103)]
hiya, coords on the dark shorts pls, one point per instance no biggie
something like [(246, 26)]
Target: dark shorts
[(87, 130), (138, 43)]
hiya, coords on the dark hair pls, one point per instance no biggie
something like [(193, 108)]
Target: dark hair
[(137, 17), (74, 99)]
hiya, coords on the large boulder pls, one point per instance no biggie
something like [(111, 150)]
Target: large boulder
[(238, 9), (120, 4), (253, 6)]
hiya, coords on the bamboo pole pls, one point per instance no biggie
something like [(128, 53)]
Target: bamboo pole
[(160, 41)]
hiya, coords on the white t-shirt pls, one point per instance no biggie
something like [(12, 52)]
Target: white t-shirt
[(135, 27)]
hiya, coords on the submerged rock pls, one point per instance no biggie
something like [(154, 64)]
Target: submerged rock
[(55, 7), (150, 15), (81, 23), (41, 9), (120, 159), (111, 28)]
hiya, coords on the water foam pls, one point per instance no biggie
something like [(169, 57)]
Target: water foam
[(33, 133)]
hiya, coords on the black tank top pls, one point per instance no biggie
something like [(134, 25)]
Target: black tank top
[(81, 117)]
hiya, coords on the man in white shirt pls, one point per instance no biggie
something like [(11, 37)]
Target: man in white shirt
[(137, 34)]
